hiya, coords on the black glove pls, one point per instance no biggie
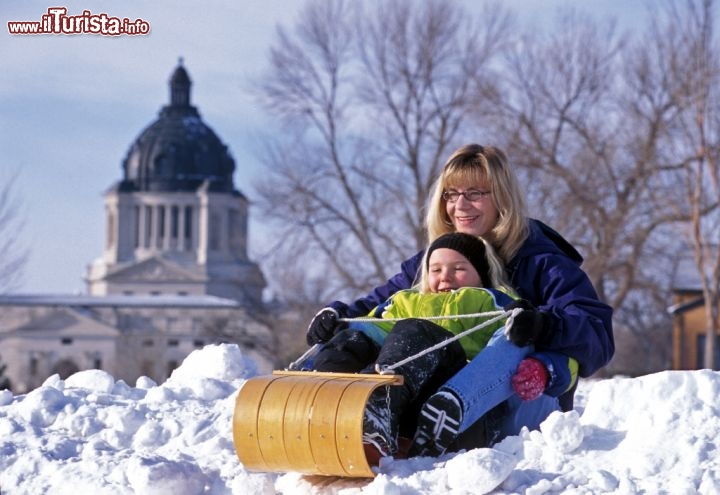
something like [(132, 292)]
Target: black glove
[(528, 326), (323, 326)]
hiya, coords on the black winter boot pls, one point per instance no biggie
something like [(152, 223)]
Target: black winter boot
[(422, 375), (380, 427), (438, 425)]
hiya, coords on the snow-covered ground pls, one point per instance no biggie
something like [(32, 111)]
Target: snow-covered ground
[(92, 434)]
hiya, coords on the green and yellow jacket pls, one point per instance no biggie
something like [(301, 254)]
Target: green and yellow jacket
[(451, 306), (410, 303)]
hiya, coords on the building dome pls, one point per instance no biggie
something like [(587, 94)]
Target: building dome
[(178, 152)]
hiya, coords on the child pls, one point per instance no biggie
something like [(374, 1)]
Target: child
[(450, 285)]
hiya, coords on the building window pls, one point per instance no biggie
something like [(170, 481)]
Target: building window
[(173, 342), (148, 343), (215, 232), (33, 366), (148, 226), (160, 226), (146, 369), (234, 235), (198, 343), (700, 364), (97, 363), (188, 226), (174, 221), (171, 366), (66, 341), (136, 242), (110, 230)]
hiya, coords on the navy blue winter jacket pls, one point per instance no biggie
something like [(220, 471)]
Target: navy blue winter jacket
[(545, 271)]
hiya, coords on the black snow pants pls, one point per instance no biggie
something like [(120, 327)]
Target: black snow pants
[(423, 375)]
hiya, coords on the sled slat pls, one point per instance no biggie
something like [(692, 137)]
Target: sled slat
[(322, 426), (349, 427), (270, 420), (297, 426), (245, 434)]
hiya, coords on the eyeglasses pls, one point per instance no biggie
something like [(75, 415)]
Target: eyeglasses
[(472, 195)]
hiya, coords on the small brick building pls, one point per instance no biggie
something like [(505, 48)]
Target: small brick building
[(689, 323)]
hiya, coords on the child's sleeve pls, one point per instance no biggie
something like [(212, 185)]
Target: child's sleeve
[(380, 308), (563, 371)]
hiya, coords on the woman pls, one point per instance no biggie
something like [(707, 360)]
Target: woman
[(477, 193)]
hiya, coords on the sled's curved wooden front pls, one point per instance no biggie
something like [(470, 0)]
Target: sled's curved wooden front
[(305, 421)]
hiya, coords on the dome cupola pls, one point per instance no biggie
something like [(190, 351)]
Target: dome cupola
[(178, 151), (175, 224)]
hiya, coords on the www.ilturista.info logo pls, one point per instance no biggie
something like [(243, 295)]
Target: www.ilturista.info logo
[(56, 21)]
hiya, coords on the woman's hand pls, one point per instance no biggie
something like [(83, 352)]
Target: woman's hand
[(529, 325)]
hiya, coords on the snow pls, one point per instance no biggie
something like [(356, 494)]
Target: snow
[(89, 433)]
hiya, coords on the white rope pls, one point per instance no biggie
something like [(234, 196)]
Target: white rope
[(444, 317), (386, 370), (295, 364)]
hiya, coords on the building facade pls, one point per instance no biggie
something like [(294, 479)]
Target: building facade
[(690, 326), (174, 274), (175, 223)]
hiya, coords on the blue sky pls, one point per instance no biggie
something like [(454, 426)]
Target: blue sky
[(72, 105)]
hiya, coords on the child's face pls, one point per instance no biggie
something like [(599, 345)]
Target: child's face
[(448, 270)]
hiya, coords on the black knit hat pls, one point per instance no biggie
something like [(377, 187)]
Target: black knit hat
[(469, 246)]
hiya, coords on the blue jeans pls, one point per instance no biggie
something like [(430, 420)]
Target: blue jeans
[(485, 382)]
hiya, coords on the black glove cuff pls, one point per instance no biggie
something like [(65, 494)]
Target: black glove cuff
[(323, 326)]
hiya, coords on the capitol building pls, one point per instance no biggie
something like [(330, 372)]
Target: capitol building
[(174, 274)]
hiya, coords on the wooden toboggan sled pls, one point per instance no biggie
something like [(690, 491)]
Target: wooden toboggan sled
[(305, 421), (311, 422)]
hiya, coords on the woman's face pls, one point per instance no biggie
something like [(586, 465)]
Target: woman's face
[(448, 270), (472, 212)]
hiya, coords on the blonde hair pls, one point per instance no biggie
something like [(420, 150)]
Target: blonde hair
[(471, 165), (498, 279)]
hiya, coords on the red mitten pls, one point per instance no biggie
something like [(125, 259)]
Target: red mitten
[(530, 379)]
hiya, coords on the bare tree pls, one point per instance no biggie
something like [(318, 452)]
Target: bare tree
[(567, 126), (604, 127), (13, 256), (685, 31), (586, 123), (607, 129), (373, 97)]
